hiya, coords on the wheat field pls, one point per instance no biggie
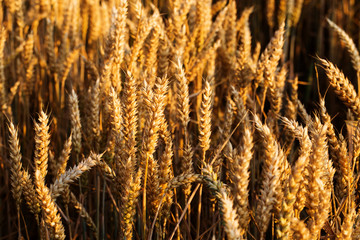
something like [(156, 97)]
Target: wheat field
[(179, 119)]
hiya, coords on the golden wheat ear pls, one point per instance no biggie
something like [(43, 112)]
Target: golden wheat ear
[(15, 164), (342, 86), (349, 44)]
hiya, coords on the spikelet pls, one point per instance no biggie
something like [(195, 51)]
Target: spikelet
[(30, 193), (346, 230), (299, 229)]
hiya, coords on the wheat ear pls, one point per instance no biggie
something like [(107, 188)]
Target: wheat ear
[(342, 86), (16, 165), (349, 44), (232, 228), (75, 121), (271, 187), (64, 180), (295, 180), (42, 141), (52, 217)]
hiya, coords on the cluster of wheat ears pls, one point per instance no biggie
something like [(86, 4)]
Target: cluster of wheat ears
[(125, 120)]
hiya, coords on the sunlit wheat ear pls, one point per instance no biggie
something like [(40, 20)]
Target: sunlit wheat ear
[(117, 43), (299, 229), (63, 181), (129, 207), (295, 180), (203, 20), (205, 118), (93, 119), (64, 157), (347, 227), (320, 179), (16, 165), (42, 141), (269, 59), (182, 94), (228, 212), (30, 193), (240, 173), (342, 87), (272, 172), (349, 44), (51, 215), (75, 121), (130, 114)]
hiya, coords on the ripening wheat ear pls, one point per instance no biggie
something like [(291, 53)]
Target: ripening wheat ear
[(231, 222), (205, 119), (16, 166), (320, 179), (295, 180), (52, 217), (75, 121), (240, 173), (64, 157), (342, 87), (182, 94), (42, 141), (272, 171), (349, 44), (64, 180)]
